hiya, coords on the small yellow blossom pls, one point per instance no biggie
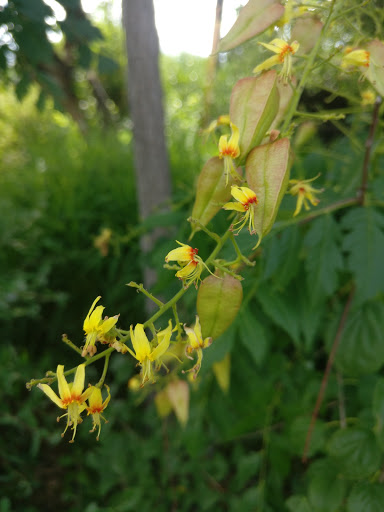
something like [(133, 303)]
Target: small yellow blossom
[(145, 353), (230, 150), (304, 193), (355, 58), (284, 53), (192, 265), (96, 406), (368, 97), (196, 343), (71, 396), (95, 328), (247, 202)]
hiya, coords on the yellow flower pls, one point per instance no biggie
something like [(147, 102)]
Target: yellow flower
[(145, 353), (96, 406), (191, 264), (353, 58), (229, 150), (284, 53), (292, 11), (220, 121), (304, 193), (95, 328), (196, 343), (247, 202), (71, 397)]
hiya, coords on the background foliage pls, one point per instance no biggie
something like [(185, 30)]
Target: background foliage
[(241, 449)]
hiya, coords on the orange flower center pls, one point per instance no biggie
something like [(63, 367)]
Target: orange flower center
[(252, 200), (284, 51), (193, 253)]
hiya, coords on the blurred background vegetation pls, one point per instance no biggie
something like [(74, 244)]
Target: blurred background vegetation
[(69, 232)]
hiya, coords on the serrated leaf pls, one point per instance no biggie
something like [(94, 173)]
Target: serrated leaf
[(267, 172), (364, 244), (356, 452), (361, 348), (252, 335), (282, 257), (366, 497), (323, 259), (211, 192), (281, 309), (218, 302), (310, 317), (255, 17), (253, 106)]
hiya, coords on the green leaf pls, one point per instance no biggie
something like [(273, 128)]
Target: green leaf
[(326, 489), (267, 171), (255, 17), (378, 401), (375, 72), (253, 106), (282, 310), (282, 257), (211, 192), (298, 504), (323, 258), (366, 497), (310, 316), (107, 65), (252, 335), (218, 302), (361, 348), (22, 87), (364, 244), (356, 452), (298, 435)]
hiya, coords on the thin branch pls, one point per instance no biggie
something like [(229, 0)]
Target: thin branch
[(324, 382)]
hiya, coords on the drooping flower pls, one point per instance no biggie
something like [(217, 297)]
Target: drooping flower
[(191, 264), (196, 343), (246, 204), (145, 353), (71, 396), (304, 193), (284, 52), (220, 121), (229, 150), (95, 328), (96, 406), (355, 58)]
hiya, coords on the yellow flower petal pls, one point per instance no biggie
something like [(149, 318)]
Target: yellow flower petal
[(51, 394)]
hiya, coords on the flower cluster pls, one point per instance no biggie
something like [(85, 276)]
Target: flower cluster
[(73, 399)]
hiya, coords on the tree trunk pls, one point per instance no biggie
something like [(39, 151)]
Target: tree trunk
[(145, 99)]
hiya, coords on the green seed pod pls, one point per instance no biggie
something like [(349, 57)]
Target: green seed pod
[(218, 302), (267, 171)]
